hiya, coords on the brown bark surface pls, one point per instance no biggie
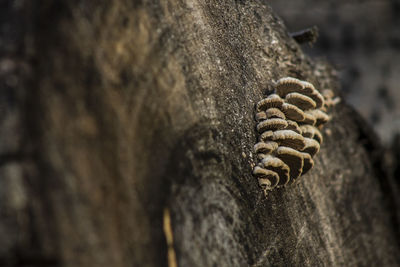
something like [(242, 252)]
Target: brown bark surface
[(117, 113)]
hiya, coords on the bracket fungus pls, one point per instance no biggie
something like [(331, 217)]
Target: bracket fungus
[(301, 101), (288, 85), (308, 162), (271, 124), (311, 146), (270, 178), (266, 136), (287, 123), (292, 125), (265, 147), (309, 119), (275, 113), (320, 116), (289, 138), (311, 132), (308, 88), (275, 164), (260, 116), (292, 158), (272, 101), (292, 112)]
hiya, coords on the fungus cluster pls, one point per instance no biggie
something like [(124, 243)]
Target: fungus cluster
[(288, 123)]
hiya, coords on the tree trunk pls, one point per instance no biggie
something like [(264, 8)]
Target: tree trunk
[(126, 138)]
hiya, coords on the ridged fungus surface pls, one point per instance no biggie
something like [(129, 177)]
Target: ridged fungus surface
[(288, 124)]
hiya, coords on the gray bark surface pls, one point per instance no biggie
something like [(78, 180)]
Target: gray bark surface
[(113, 112)]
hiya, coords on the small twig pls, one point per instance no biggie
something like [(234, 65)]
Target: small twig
[(172, 262), (308, 35)]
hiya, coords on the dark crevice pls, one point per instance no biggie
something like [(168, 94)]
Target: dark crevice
[(31, 261), (13, 157)]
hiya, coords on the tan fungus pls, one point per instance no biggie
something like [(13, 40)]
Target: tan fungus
[(311, 146), (288, 85), (292, 125), (308, 162), (277, 165), (311, 132), (289, 138), (272, 101), (275, 113), (308, 88), (271, 124), (301, 101), (309, 119), (318, 98), (265, 147), (260, 116), (266, 136), (288, 133), (292, 112), (292, 158), (268, 177), (321, 117)]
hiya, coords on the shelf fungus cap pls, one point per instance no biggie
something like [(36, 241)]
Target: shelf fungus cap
[(260, 116), (266, 178), (266, 136), (318, 136), (288, 85), (272, 101), (317, 97), (277, 165), (293, 159), (275, 113), (311, 132), (265, 147), (292, 112), (292, 125), (308, 162), (311, 147), (289, 138), (320, 116), (307, 130), (309, 118), (260, 157), (271, 124), (301, 101), (308, 88)]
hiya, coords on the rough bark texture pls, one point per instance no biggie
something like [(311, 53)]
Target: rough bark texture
[(115, 111)]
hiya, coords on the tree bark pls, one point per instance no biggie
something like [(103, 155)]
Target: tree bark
[(126, 138)]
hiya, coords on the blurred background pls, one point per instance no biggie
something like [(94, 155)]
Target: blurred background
[(362, 40)]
